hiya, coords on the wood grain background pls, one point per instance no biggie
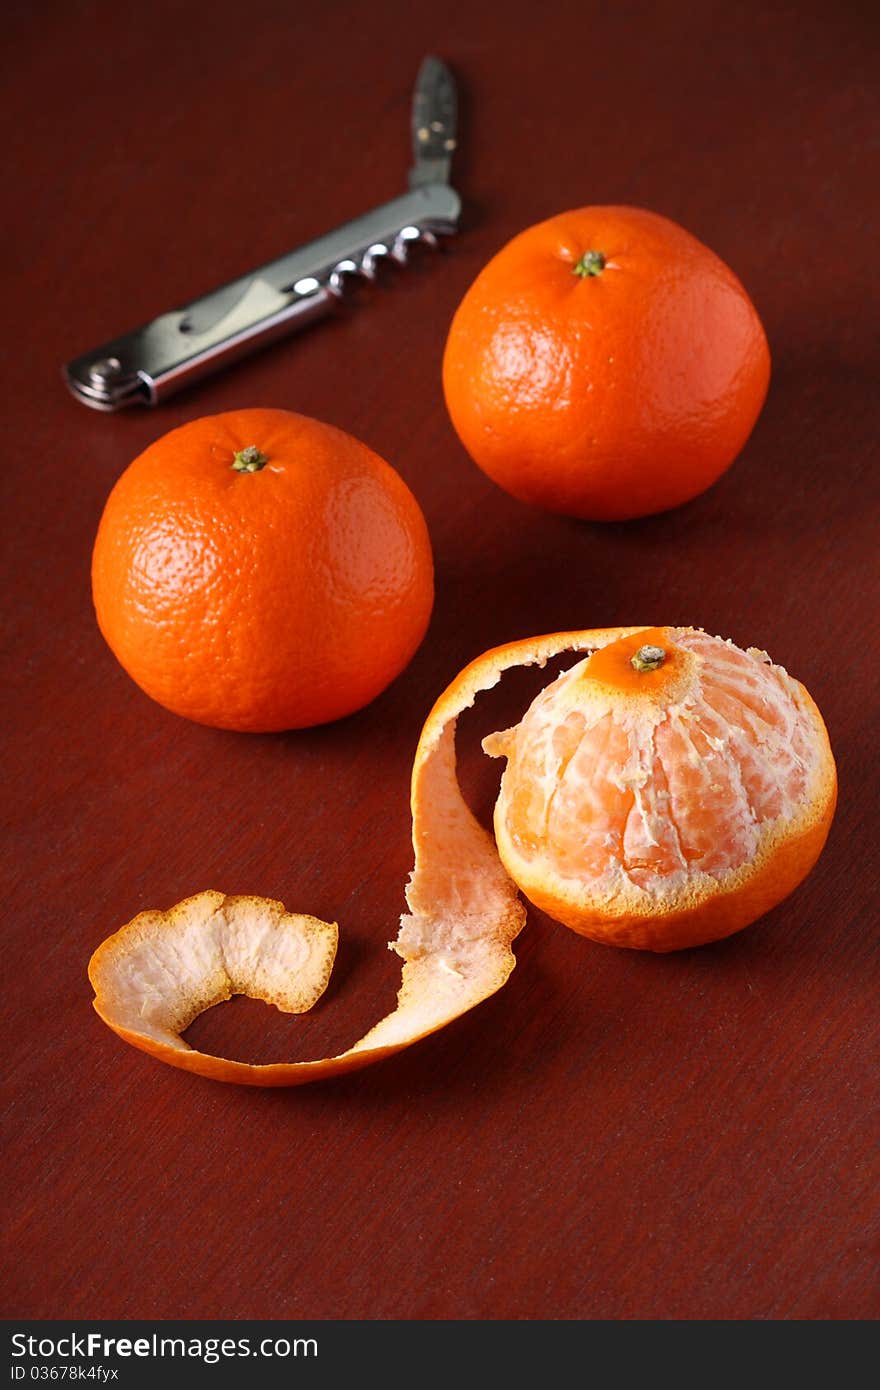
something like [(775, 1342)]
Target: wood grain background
[(614, 1135)]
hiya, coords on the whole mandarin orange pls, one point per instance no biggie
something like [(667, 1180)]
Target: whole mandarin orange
[(258, 570), (605, 364)]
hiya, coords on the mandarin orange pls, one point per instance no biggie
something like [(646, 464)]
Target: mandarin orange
[(259, 570), (666, 791), (663, 792), (605, 364)]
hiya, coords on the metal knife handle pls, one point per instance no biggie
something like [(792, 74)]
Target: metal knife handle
[(151, 362)]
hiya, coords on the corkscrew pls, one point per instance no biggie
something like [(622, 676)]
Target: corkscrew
[(148, 364)]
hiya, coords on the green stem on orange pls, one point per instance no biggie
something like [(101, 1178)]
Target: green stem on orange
[(648, 658), (249, 460), (590, 263)]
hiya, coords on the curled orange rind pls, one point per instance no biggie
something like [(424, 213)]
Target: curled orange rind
[(153, 977), (661, 794)]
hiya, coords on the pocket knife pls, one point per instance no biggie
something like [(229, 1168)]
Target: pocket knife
[(148, 364)]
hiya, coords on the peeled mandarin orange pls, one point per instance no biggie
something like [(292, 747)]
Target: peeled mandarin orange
[(605, 364), (658, 804), (666, 791), (259, 570)]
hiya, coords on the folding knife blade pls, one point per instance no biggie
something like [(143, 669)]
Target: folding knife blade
[(434, 123)]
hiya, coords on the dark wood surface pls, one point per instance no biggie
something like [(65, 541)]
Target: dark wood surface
[(614, 1135)]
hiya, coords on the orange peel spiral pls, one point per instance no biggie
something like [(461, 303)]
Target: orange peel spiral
[(155, 975)]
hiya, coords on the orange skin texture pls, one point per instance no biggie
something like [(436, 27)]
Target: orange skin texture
[(268, 600), (273, 1074), (607, 396)]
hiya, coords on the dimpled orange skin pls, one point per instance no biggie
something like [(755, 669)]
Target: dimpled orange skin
[(265, 600), (611, 395)]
